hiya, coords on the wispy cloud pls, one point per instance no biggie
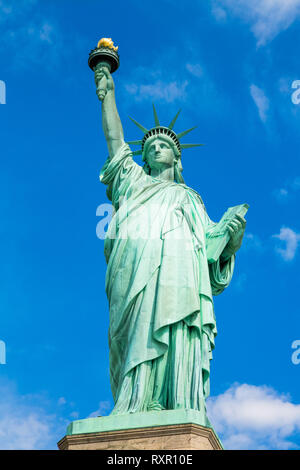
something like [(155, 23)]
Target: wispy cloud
[(41, 43), (159, 90), (218, 12), (103, 409), (289, 190), (24, 423), (286, 248), (30, 37), (14, 9), (291, 240), (252, 241), (266, 18), (254, 417), (195, 69), (261, 101), (281, 194), (295, 184), (189, 83)]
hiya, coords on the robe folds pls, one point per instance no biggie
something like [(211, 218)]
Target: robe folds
[(160, 290)]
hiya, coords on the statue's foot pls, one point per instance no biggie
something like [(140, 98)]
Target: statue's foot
[(155, 406)]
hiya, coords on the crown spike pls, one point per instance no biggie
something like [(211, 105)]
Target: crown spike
[(156, 120), (188, 146), (171, 125), (135, 142), (137, 152), (181, 134), (143, 129)]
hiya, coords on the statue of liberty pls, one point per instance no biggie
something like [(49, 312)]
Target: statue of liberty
[(164, 265)]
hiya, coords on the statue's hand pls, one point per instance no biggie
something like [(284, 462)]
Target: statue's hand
[(236, 228), (104, 82)]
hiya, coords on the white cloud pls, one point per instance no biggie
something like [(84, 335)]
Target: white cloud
[(62, 401), (24, 423), (291, 239), (103, 409), (267, 18), (46, 33), (13, 9), (219, 12), (29, 37), (41, 43), (195, 69), (281, 194), (287, 247), (285, 193), (254, 417), (261, 101), (159, 90), (188, 83)]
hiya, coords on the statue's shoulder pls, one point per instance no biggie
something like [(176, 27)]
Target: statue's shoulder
[(192, 191), (193, 194)]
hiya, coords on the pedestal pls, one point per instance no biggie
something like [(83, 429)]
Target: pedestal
[(155, 430)]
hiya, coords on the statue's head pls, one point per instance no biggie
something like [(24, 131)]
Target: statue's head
[(161, 147), (160, 151)]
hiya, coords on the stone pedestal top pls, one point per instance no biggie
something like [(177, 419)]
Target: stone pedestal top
[(156, 430), (173, 437)]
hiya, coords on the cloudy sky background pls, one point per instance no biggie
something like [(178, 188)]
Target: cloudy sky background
[(232, 66)]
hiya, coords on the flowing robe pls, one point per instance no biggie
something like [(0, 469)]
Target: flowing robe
[(160, 287)]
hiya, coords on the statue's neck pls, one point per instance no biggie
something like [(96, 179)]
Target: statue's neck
[(164, 174)]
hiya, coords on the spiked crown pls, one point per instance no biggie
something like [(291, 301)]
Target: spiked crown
[(162, 131)]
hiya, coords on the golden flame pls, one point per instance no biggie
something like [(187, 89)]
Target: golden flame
[(107, 42)]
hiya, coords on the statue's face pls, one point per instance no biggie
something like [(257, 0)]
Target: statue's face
[(160, 153)]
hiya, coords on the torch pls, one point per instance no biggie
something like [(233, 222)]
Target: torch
[(104, 55)]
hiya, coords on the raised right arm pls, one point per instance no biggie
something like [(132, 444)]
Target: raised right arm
[(111, 122)]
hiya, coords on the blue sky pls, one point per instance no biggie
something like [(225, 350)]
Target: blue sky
[(230, 65)]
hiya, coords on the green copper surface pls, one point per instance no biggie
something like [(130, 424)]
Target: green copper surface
[(137, 420), (160, 281)]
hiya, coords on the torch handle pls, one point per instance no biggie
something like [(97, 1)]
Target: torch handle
[(102, 85)]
